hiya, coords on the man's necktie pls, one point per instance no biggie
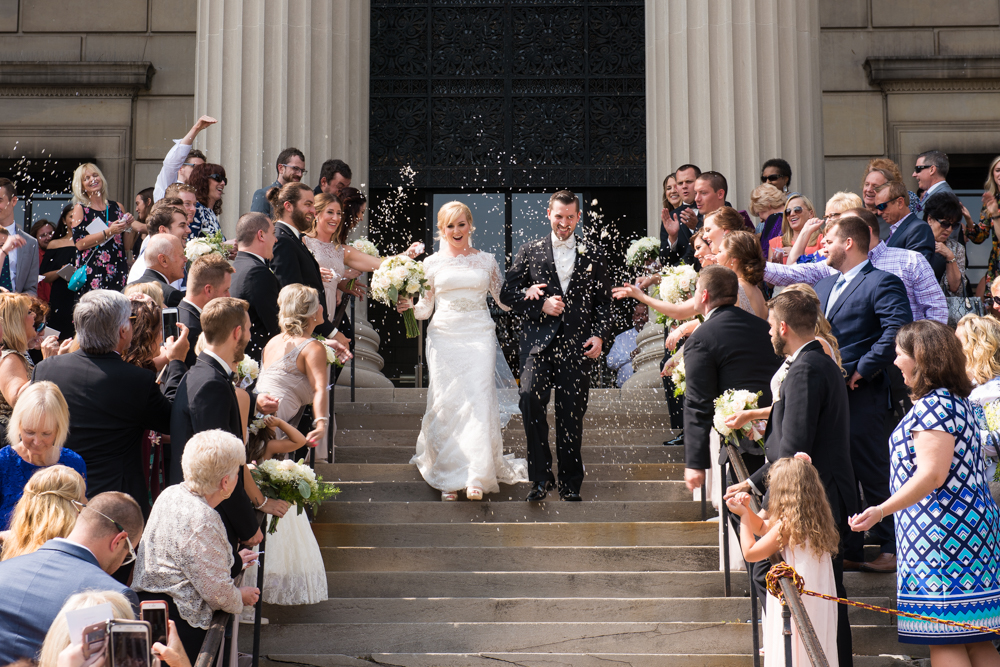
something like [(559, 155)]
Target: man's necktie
[(835, 294), (5, 280)]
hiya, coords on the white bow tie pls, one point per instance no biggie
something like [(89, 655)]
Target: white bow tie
[(568, 243)]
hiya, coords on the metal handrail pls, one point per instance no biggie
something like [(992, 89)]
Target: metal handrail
[(213, 639), (793, 603)]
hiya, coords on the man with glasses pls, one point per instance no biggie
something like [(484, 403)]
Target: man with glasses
[(35, 586), (180, 159), (906, 230), (291, 167)]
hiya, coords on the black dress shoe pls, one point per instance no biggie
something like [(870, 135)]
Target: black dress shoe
[(570, 495), (678, 441), (538, 491)]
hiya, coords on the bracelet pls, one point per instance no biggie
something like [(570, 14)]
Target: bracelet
[(261, 506), (321, 419), (995, 217), (881, 513)]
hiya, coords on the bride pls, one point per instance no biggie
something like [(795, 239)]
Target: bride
[(460, 445)]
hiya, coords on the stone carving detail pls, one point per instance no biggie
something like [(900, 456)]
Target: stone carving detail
[(508, 93)]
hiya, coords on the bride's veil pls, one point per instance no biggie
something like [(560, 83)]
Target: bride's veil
[(506, 386)]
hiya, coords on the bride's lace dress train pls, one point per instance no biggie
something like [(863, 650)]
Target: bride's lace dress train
[(460, 443)]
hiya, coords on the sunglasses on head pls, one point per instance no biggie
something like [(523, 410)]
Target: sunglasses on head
[(773, 178), (219, 177)]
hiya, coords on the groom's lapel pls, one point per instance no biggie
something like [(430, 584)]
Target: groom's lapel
[(551, 276)]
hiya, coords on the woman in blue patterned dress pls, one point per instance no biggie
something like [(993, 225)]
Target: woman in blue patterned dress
[(102, 251), (946, 520), (209, 182)]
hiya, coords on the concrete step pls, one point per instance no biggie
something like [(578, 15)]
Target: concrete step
[(551, 509), (511, 437), (421, 492), (597, 419), (542, 534), (520, 559), (407, 395), (404, 472), (534, 610), (419, 407), (618, 455)]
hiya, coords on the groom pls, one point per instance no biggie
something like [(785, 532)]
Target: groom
[(562, 333)]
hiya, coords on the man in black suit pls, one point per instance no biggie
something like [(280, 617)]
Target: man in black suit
[(810, 414), (254, 281), (206, 399), (294, 211), (209, 278), (906, 229), (731, 350), (111, 402), (165, 259), (561, 335), (865, 307)]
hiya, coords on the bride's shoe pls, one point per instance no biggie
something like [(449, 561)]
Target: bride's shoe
[(449, 495), (472, 493)]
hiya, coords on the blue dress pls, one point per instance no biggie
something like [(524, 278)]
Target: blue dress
[(949, 553), (205, 222), (15, 473)]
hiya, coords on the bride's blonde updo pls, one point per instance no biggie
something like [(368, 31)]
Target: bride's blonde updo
[(296, 304), (451, 212)]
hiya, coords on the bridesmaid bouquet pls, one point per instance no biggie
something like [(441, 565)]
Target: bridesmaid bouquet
[(331, 356), (400, 277), (677, 285), (292, 482), (642, 251), (678, 376), (364, 245), (204, 245), (247, 371), (731, 402)]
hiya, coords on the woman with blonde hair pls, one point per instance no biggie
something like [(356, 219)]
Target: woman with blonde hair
[(460, 446), (57, 638), (989, 227), (980, 337), (45, 510), (798, 209), (101, 251), (767, 203)]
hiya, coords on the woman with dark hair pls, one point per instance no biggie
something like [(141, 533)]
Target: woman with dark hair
[(945, 516), (740, 252), (209, 181), (777, 172), (144, 352), (43, 230), (59, 252)]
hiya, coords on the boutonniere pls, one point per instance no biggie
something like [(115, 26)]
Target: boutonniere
[(581, 248), (783, 372)]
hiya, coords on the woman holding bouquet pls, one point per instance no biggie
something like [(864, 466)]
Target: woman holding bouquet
[(460, 445)]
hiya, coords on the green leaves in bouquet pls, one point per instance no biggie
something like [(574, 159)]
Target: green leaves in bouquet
[(393, 293)]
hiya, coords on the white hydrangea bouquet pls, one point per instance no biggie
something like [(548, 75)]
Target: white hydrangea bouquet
[(206, 244), (292, 482), (677, 285), (731, 402), (400, 277), (247, 371), (678, 375), (642, 250)]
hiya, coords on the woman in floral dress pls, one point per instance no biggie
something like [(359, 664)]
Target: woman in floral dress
[(102, 252), (989, 220)]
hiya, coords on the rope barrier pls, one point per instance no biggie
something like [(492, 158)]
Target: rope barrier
[(785, 571)]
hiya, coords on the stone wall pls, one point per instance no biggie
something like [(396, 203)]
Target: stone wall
[(935, 84), (87, 102)]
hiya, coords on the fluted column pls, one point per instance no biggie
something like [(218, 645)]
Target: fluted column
[(280, 73), (730, 84), (646, 364)]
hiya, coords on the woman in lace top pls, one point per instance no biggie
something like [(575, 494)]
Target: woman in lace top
[(185, 556), (327, 243)]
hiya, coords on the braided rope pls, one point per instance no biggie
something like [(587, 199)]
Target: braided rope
[(786, 571)]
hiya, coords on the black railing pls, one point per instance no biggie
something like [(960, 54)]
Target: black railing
[(793, 608), (213, 639)]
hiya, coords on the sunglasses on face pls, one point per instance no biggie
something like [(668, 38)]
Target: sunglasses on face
[(219, 177), (795, 210), (773, 178), (40, 327), (920, 167), (885, 205), (948, 223)]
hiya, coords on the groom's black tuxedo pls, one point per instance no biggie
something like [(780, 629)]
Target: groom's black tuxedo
[(552, 352)]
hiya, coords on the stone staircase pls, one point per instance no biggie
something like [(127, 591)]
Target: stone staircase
[(629, 576)]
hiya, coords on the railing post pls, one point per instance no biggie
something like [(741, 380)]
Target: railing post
[(724, 522), (756, 625), (329, 425), (260, 600), (786, 632), (353, 320), (704, 502), (418, 371)]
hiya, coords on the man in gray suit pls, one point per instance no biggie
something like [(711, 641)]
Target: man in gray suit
[(19, 271), (34, 587), (930, 171)]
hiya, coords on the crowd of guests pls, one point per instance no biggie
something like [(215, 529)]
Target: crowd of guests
[(125, 472), (878, 375)]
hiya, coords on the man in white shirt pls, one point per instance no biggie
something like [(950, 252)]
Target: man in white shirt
[(19, 270), (166, 217), (625, 347), (180, 159)]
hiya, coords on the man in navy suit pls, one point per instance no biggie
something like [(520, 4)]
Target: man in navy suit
[(34, 587), (865, 307), (930, 171), (906, 230)]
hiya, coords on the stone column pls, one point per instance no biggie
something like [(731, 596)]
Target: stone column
[(730, 84), (280, 73), (646, 364)]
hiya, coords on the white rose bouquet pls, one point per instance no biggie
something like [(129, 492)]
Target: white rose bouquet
[(247, 371), (292, 482), (331, 356), (203, 245), (642, 250), (678, 376), (677, 285), (364, 245), (731, 402), (400, 277)]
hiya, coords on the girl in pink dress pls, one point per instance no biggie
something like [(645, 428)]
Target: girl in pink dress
[(799, 524)]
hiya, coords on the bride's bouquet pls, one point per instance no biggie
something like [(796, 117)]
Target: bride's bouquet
[(206, 244), (731, 402), (642, 251), (292, 482), (677, 285), (400, 277), (679, 375)]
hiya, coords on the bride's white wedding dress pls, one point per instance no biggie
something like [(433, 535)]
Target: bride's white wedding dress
[(460, 444)]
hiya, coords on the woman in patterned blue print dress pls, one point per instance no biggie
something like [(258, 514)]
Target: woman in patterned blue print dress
[(946, 520), (102, 252), (209, 182)]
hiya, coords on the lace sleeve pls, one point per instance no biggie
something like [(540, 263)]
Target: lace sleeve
[(425, 306), (209, 575), (496, 283)]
